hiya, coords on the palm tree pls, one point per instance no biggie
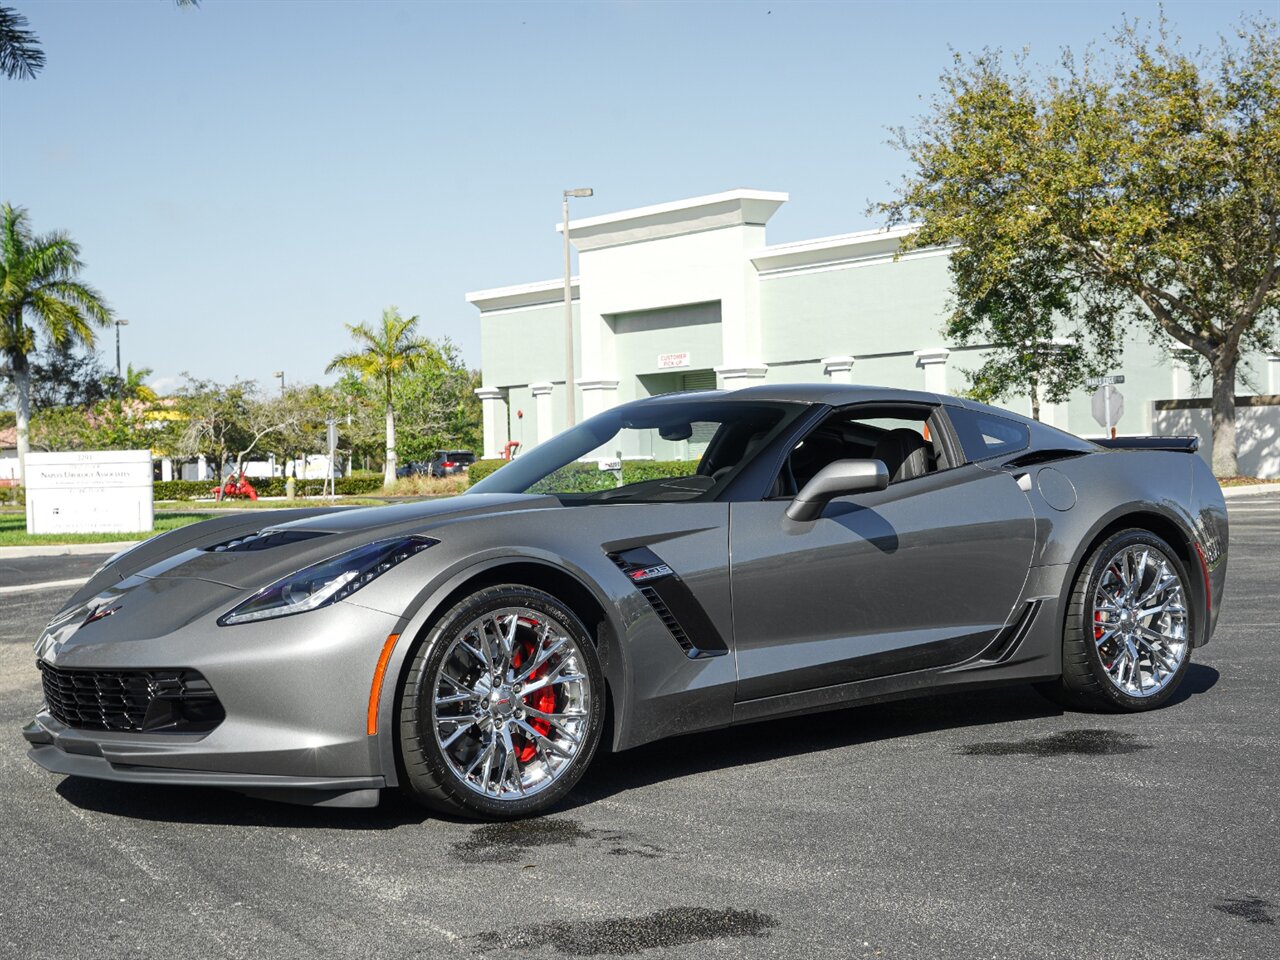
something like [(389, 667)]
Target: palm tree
[(39, 289), (382, 356), (20, 55)]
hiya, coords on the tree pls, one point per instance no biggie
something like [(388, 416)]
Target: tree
[(131, 386), (437, 405), (231, 419), (39, 284), (20, 55), (384, 355), (63, 376), (111, 424), (1023, 318), (1151, 176)]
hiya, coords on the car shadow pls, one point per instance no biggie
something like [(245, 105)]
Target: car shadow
[(813, 733), (611, 774)]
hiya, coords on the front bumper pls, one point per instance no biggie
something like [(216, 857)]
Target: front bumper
[(295, 694), (76, 753)]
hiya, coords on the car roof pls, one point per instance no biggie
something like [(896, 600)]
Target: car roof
[(843, 394), (834, 394)]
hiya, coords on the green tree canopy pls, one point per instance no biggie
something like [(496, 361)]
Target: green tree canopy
[(383, 354), (40, 289), (230, 421), (1141, 183)]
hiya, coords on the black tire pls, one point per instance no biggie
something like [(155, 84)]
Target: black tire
[(430, 778), (1085, 683)]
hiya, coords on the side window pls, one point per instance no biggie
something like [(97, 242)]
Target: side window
[(985, 435), (904, 437)]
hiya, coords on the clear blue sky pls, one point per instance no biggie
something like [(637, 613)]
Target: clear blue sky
[(245, 177)]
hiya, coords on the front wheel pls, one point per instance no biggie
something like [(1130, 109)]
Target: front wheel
[(1127, 640), (503, 706)]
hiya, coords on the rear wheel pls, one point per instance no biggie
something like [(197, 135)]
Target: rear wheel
[(1127, 641), (502, 707)]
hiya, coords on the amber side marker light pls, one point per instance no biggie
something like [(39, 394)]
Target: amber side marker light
[(375, 690)]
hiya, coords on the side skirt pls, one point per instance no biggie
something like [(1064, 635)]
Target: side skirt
[(1023, 652)]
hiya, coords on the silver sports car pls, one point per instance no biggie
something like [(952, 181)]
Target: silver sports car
[(672, 565)]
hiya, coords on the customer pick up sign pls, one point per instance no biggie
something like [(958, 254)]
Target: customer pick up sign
[(98, 491)]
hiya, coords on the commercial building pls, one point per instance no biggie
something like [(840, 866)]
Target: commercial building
[(690, 295)]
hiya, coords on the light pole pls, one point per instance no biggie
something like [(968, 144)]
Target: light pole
[(280, 374), (570, 412), (119, 376)]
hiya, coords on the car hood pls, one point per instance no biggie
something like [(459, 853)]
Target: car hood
[(332, 534)]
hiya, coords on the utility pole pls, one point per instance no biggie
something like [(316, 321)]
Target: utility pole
[(570, 407), (119, 376)]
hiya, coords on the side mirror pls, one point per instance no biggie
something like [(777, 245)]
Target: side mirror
[(837, 479)]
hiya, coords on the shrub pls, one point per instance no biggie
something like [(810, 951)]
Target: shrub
[(423, 486), (482, 468), (584, 477), (266, 487), (634, 471), (576, 478)]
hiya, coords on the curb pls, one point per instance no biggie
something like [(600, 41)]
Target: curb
[(1252, 490), (66, 549)]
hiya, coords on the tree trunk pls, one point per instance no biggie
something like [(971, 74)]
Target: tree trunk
[(1035, 400), (1223, 419), (389, 476), (22, 380)]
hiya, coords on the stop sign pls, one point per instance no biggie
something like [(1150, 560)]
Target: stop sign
[(1100, 405)]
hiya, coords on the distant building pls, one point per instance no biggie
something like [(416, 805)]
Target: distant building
[(690, 295), (8, 456)]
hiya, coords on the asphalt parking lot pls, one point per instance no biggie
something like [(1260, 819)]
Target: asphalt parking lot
[(971, 825)]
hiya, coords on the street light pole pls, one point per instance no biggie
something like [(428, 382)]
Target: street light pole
[(570, 407), (280, 374), (119, 376)]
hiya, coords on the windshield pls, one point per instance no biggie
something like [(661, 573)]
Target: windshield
[(646, 452)]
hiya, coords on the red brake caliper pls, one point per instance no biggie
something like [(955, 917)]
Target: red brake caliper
[(1097, 625), (543, 700)]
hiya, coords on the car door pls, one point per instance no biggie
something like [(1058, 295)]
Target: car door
[(921, 574)]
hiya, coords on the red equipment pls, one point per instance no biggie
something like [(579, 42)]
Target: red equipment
[(235, 488)]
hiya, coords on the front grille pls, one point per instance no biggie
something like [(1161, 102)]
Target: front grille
[(131, 700)]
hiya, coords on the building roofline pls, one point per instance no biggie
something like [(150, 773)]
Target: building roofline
[(522, 295), (841, 248), (714, 211), (675, 206)]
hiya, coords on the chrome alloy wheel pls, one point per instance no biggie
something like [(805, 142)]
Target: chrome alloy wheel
[(1140, 622), (511, 702)]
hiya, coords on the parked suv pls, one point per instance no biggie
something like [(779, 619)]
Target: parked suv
[(448, 462)]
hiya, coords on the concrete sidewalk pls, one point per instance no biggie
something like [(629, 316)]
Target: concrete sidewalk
[(66, 549)]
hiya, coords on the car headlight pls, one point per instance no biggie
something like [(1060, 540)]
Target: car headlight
[(326, 582)]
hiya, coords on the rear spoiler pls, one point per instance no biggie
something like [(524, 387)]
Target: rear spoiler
[(1174, 444)]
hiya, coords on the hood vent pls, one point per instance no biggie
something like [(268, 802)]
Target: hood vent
[(263, 540)]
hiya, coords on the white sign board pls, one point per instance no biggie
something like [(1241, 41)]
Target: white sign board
[(668, 360), (100, 491)]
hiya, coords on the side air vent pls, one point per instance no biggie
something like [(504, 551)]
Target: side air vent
[(1009, 638), (664, 613), (673, 602), (263, 540)]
